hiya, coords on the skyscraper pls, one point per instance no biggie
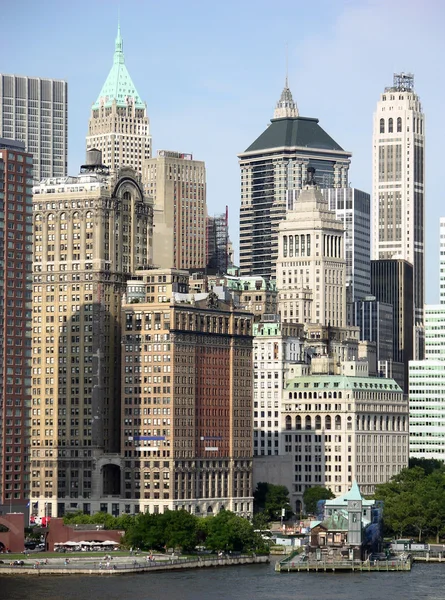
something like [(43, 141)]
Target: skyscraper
[(353, 208), (272, 167), (35, 111), (399, 185), (311, 268), (217, 242), (427, 379), (15, 325), (392, 283), (119, 126), (90, 233), (177, 184)]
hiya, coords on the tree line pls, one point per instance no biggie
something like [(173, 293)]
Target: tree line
[(180, 529), (414, 501)]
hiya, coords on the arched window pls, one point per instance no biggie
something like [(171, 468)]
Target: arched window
[(63, 216), (308, 423), (390, 126), (291, 245), (337, 422), (297, 246), (285, 246), (327, 422), (51, 217), (382, 125), (318, 422), (298, 422), (288, 423), (399, 124)]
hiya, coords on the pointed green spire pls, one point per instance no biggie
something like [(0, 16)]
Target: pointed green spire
[(119, 47), (118, 85)]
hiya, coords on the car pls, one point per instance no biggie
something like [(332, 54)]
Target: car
[(18, 563), (30, 545)]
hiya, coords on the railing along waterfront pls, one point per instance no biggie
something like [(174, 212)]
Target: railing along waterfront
[(293, 564)]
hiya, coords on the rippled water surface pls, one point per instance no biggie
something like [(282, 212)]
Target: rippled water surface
[(253, 582)]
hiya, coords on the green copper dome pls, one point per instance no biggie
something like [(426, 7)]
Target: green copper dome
[(118, 85)]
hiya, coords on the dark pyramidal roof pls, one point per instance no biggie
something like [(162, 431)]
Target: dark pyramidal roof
[(297, 131)]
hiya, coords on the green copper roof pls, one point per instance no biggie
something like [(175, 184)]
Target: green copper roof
[(290, 132), (353, 494), (118, 85), (333, 382), (266, 329)]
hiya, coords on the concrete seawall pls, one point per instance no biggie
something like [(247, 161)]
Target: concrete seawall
[(119, 569)]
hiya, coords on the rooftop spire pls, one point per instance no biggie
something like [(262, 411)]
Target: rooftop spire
[(286, 107), (118, 86), (119, 47)]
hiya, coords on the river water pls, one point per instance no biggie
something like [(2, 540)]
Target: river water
[(252, 582)]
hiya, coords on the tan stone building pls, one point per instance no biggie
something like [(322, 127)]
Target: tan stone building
[(341, 428), (311, 267), (119, 125), (177, 184), (90, 233), (186, 399), (254, 294)]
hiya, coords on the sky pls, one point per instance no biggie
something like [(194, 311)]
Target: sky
[(211, 73)]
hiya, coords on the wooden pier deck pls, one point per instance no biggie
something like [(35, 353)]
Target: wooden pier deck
[(294, 564)]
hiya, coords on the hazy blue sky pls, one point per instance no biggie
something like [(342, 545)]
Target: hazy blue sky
[(211, 73)]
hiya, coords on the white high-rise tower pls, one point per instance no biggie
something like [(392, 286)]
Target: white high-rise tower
[(399, 184)]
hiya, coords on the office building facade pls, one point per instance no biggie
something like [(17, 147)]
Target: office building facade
[(399, 186), (186, 439), (35, 111), (427, 379), (217, 243), (353, 208), (275, 347), (311, 268), (274, 166), (392, 283), (341, 428), (90, 233), (177, 184), (15, 325), (119, 126)]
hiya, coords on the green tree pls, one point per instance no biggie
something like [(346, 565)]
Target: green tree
[(226, 531), (180, 530), (146, 532), (260, 521), (414, 502), (271, 499), (312, 495), (429, 465)]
